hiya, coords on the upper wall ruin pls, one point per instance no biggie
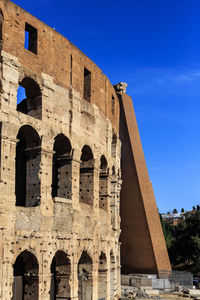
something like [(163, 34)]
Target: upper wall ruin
[(40, 49)]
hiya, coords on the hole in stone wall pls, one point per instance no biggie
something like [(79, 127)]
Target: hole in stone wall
[(86, 173), (1, 27), (85, 278), (29, 98), (62, 168), (87, 85), (26, 281), (113, 170), (103, 183), (30, 42), (114, 145), (60, 276), (27, 182), (113, 105), (21, 94)]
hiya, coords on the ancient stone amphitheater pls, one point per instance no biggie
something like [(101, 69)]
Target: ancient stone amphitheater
[(60, 173)]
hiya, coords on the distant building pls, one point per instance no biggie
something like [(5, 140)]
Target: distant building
[(173, 218)]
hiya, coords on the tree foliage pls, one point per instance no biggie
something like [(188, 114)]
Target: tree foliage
[(183, 240)]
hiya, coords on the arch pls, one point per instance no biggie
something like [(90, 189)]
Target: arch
[(103, 183), (32, 104), (86, 183), (60, 276), (102, 276), (112, 275), (114, 145), (113, 171), (62, 168), (85, 278), (26, 280), (27, 164), (104, 164), (86, 154)]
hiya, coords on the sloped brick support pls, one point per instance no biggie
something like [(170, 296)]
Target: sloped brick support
[(143, 248)]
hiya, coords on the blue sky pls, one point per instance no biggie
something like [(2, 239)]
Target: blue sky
[(154, 46)]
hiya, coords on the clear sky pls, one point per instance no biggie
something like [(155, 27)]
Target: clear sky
[(154, 46)]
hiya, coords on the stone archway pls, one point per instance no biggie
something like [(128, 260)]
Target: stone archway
[(60, 277), (28, 158), (26, 280), (62, 168), (85, 278)]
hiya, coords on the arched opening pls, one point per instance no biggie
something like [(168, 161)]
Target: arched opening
[(32, 103), (85, 279), (28, 157), (103, 184), (26, 281), (1, 28), (113, 204), (114, 145), (62, 168), (60, 276), (86, 184), (102, 277), (112, 275)]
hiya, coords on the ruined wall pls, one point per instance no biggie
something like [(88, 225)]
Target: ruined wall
[(43, 142), (143, 248)]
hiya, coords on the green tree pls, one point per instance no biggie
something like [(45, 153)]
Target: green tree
[(186, 243)]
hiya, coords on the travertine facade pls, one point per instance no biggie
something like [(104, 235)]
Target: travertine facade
[(60, 176), (60, 168)]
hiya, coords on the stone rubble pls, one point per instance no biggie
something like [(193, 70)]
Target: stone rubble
[(137, 293)]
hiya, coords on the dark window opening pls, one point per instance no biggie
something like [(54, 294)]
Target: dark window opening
[(114, 145), (87, 85), (85, 278), (27, 182), (30, 38), (1, 25), (86, 176), (26, 280), (29, 98), (62, 168), (113, 105), (103, 184), (60, 276)]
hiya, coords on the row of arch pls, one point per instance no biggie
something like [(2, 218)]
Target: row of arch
[(28, 163), (26, 277)]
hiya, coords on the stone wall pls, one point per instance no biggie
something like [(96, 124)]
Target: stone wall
[(59, 216)]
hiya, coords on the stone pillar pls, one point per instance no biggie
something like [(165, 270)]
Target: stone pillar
[(75, 171), (7, 278), (7, 176), (95, 281), (74, 275), (96, 189), (113, 203), (44, 275), (46, 181), (10, 79)]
